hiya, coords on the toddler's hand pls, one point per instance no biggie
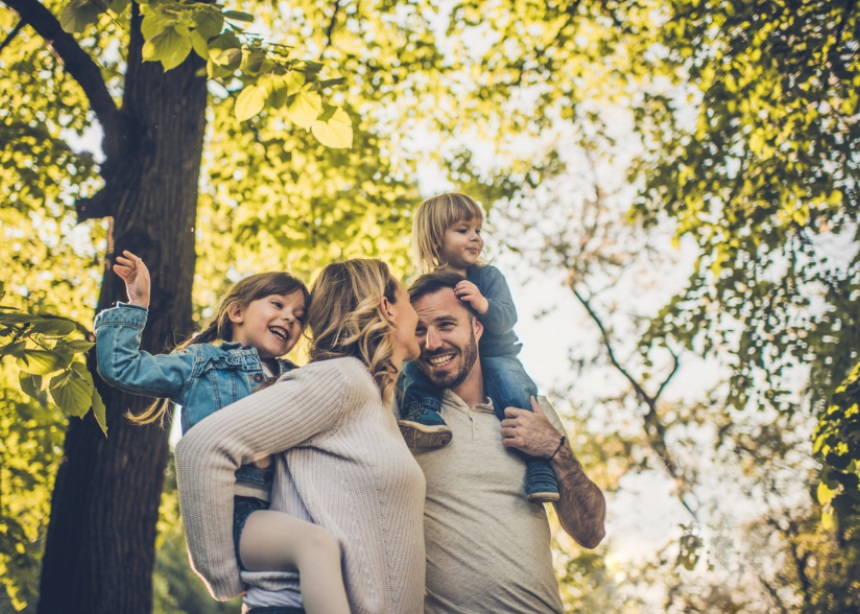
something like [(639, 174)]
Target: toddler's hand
[(136, 277), (468, 292)]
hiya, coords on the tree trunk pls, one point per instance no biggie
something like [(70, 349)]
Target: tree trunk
[(100, 549)]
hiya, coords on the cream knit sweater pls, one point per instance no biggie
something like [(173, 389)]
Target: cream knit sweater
[(340, 463)]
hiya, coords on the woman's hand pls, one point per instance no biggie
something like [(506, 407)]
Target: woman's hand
[(136, 277)]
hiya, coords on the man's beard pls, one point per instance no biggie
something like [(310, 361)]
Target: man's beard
[(468, 357)]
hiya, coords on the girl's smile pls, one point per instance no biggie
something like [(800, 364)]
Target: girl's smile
[(271, 324)]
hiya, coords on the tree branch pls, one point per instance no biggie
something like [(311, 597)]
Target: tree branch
[(78, 64), (11, 35), (331, 24)]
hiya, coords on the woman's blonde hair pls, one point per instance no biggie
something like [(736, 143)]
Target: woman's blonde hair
[(346, 317), (220, 327), (433, 217)]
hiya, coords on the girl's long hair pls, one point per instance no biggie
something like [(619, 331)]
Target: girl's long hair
[(346, 317), (432, 218), (220, 328)]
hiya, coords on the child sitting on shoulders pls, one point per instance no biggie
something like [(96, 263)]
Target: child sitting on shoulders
[(446, 234)]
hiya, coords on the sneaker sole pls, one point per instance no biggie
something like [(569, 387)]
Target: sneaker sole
[(424, 436), (543, 497)]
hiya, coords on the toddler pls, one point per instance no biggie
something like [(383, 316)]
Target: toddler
[(446, 233)]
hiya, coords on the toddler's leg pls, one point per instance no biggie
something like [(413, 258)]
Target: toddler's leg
[(278, 541), (420, 402), (509, 385)]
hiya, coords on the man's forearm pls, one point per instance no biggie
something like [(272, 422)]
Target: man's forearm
[(581, 507)]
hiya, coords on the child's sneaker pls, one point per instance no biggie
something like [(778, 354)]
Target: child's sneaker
[(424, 428), (541, 484)]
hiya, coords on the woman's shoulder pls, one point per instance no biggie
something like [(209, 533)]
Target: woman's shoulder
[(345, 369)]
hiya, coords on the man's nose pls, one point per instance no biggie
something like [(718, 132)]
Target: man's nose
[(431, 340)]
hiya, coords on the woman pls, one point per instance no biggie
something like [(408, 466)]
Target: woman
[(341, 461)]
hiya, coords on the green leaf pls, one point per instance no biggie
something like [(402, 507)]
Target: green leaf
[(229, 58), (154, 23), (17, 317), (319, 85), (14, 349), (72, 390), (238, 16), (305, 108), (78, 345), (251, 101), (99, 411), (209, 22), (170, 48), (336, 132), (43, 362), (54, 327), (199, 44), (253, 61), (77, 15), (30, 384)]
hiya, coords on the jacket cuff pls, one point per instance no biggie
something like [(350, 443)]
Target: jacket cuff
[(122, 315)]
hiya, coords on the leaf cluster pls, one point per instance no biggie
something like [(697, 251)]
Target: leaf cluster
[(265, 73), (42, 346)]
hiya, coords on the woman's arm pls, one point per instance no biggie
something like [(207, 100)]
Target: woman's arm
[(304, 403)]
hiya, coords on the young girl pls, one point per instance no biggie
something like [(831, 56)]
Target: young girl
[(261, 318), (446, 233)]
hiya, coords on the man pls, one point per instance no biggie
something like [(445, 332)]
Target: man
[(488, 548)]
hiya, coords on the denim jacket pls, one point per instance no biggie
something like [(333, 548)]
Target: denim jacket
[(202, 378)]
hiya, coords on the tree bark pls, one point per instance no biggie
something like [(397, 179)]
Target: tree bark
[(100, 548)]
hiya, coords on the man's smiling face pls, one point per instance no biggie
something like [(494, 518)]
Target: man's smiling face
[(448, 335)]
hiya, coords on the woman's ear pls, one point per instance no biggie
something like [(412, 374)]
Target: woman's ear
[(385, 306), (235, 313)]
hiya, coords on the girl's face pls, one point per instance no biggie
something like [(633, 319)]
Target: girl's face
[(272, 324), (462, 245)]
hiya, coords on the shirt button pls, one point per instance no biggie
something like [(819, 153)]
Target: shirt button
[(258, 377)]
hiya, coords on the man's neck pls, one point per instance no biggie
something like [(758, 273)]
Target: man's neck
[(471, 390)]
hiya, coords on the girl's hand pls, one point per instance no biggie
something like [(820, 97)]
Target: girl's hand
[(468, 292), (136, 277)]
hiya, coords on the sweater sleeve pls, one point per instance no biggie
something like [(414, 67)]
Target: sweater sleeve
[(122, 363), (501, 314), (302, 404)]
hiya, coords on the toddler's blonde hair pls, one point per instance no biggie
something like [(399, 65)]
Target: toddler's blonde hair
[(433, 217)]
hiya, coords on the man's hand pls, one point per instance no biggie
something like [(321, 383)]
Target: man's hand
[(136, 277), (530, 431), (468, 292), (581, 508)]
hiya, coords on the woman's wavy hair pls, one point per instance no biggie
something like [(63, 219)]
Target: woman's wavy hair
[(220, 328), (432, 218), (346, 317)]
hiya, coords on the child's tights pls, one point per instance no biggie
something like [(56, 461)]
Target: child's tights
[(278, 541)]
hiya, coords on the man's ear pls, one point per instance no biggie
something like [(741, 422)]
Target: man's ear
[(236, 313), (478, 328)]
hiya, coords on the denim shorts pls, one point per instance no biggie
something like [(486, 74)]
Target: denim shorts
[(242, 508)]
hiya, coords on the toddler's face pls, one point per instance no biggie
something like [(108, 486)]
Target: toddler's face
[(462, 244)]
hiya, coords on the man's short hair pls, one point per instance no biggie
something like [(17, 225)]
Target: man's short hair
[(433, 282)]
